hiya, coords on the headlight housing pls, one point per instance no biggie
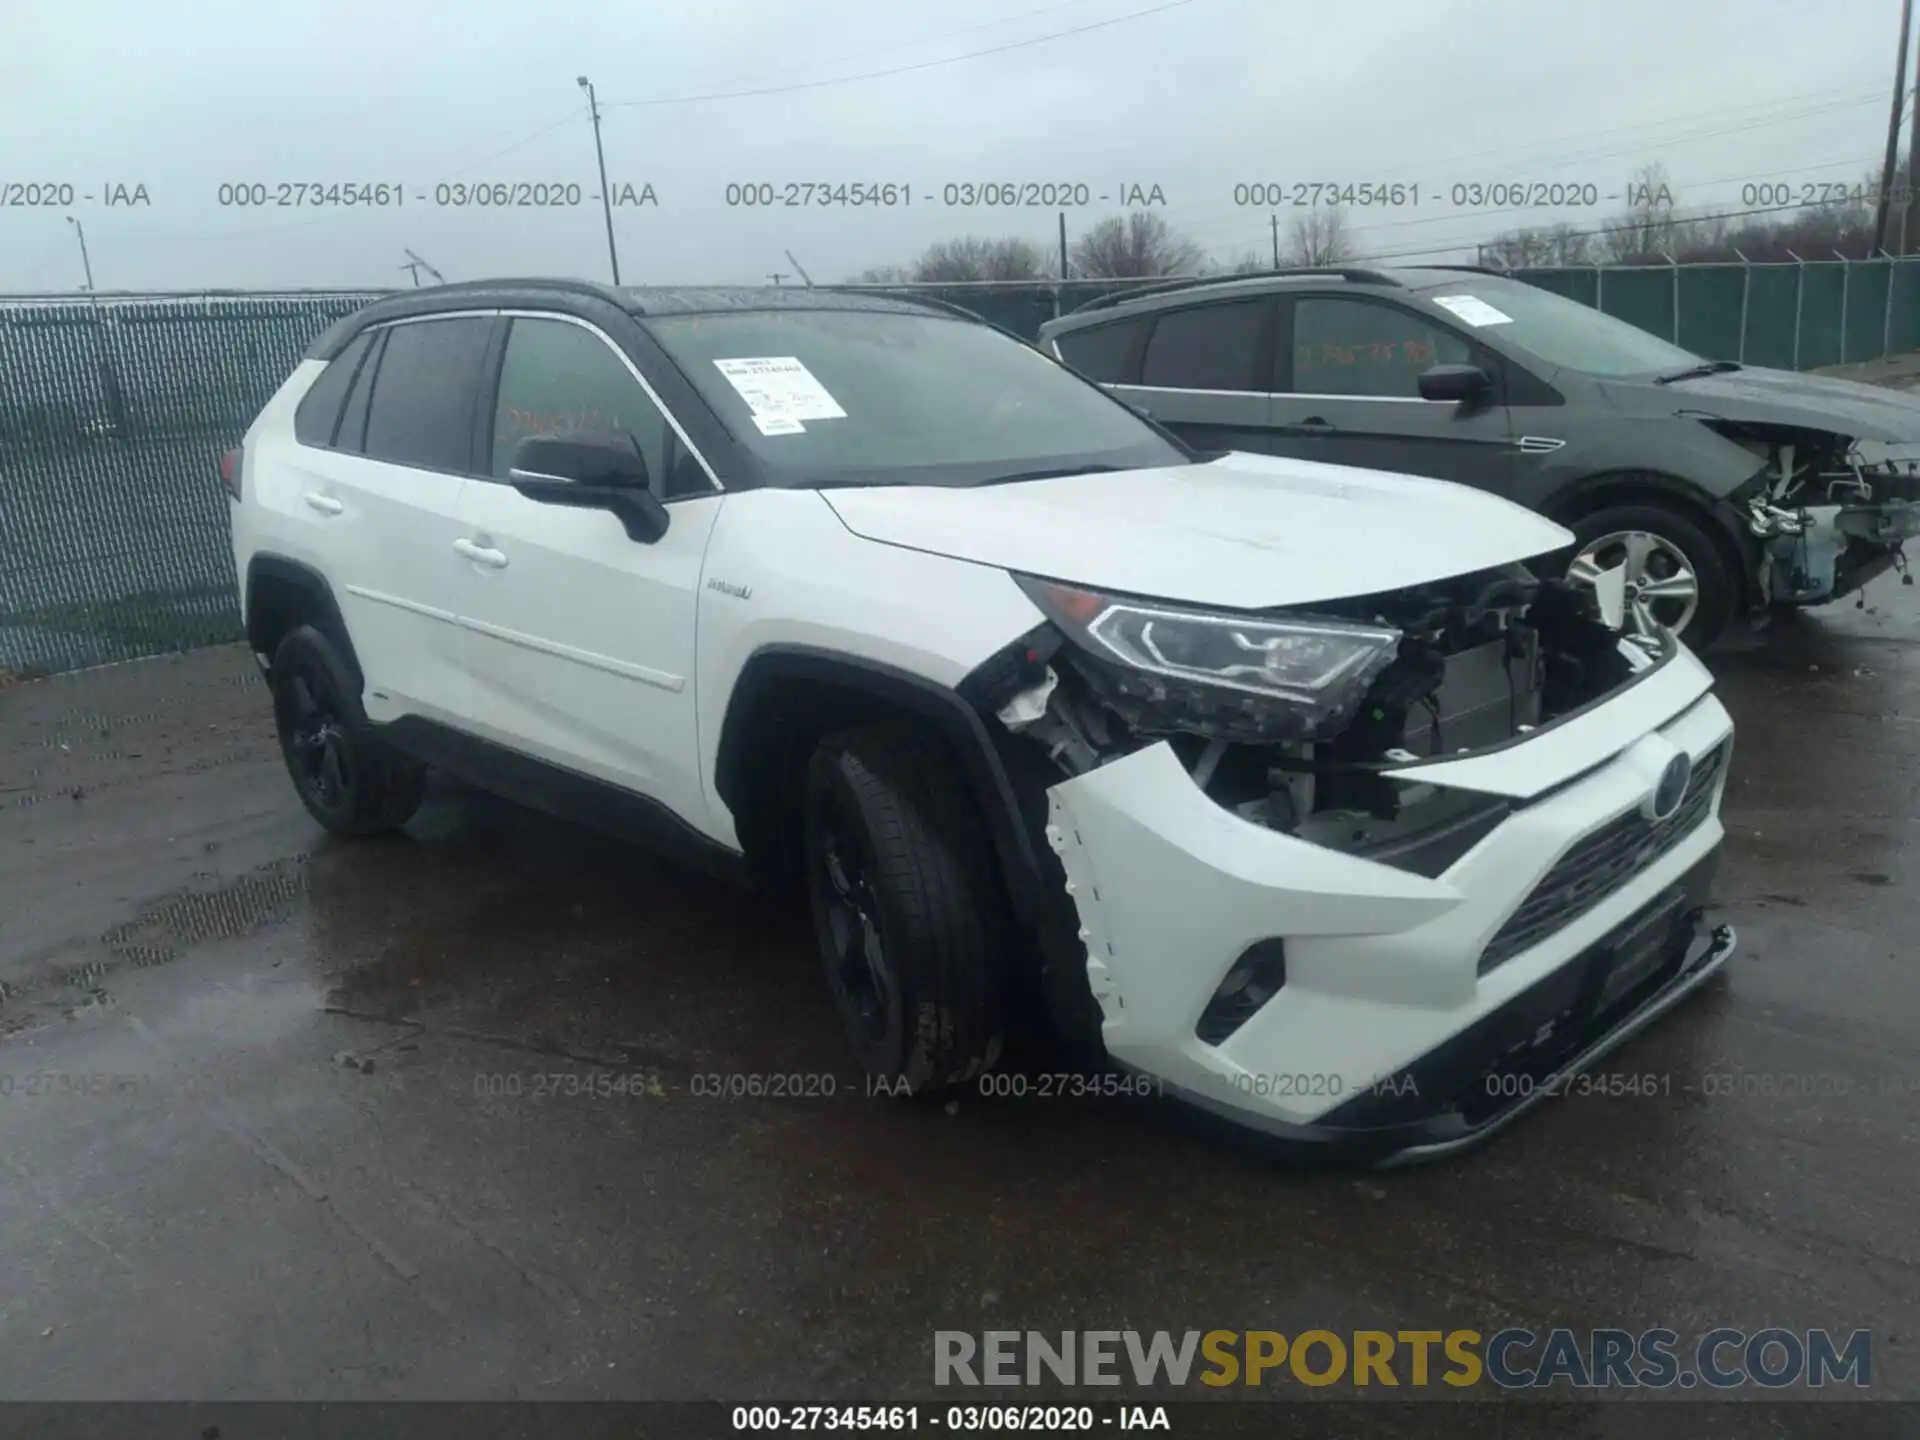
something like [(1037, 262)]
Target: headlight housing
[(1252, 677)]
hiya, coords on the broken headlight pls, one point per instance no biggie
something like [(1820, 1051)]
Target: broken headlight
[(1311, 674)]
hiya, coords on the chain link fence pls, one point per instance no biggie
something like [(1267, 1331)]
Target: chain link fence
[(113, 415), (114, 412)]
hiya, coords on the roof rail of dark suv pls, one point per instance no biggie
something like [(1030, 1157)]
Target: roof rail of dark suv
[(1347, 273)]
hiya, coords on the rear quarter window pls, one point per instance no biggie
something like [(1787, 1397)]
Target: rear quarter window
[(317, 417)]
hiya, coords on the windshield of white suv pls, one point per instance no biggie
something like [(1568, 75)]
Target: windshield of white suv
[(840, 397), (1561, 331)]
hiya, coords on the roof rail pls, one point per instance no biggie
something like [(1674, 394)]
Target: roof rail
[(1467, 269), (906, 296), (1347, 273), (525, 282)]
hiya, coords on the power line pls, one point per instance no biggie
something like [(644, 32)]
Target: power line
[(900, 69), (507, 149), (938, 35)]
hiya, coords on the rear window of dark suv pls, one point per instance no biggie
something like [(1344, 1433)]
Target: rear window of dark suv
[(1108, 354)]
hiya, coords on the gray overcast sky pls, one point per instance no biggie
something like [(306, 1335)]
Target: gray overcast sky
[(1193, 97)]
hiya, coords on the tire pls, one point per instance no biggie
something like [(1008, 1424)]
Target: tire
[(908, 910), (348, 778), (1680, 533)]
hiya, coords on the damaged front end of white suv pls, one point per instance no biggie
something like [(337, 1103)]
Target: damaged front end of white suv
[(1380, 872)]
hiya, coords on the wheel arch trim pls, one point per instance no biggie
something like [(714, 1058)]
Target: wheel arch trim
[(958, 723), (313, 587)]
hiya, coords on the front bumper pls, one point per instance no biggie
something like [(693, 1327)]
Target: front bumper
[(1839, 550), (1399, 1014)]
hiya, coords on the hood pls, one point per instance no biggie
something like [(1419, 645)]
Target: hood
[(1244, 532), (1784, 397)]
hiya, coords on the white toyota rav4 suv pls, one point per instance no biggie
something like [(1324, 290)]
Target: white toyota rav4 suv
[(1286, 787)]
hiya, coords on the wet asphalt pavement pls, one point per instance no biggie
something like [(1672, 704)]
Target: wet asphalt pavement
[(286, 1117)]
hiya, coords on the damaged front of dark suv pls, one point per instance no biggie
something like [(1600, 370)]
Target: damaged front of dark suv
[(1830, 511)]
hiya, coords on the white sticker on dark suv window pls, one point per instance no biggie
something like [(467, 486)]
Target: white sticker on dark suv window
[(1473, 310), (779, 387), (778, 425)]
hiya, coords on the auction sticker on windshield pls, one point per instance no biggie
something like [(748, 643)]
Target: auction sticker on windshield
[(779, 387), (1472, 309)]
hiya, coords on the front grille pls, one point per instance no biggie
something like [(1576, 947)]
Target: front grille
[(1601, 864)]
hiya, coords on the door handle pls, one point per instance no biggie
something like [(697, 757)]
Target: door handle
[(1314, 425), (325, 504), (480, 554)]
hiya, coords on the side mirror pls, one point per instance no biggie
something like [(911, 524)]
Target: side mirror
[(591, 472), (1466, 384)]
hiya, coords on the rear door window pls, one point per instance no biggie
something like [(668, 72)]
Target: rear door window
[(425, 394), (1210, 347)]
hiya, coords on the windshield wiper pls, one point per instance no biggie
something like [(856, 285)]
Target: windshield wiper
[(1058, 473), (1694, 372)]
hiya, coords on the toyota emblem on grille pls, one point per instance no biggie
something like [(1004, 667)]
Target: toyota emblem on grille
[(1669, 790)]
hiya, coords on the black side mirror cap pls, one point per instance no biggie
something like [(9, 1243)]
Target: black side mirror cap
[(1463, 383), (591, 472), (589, 459), (639, 511)]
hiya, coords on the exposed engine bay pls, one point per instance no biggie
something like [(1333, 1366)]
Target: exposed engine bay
[(1454, 667), (1834, 512)]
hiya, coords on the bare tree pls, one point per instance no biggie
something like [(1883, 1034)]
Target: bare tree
[(1141, 244), (1645, 233), (1537, 249), (883, 275), (1319, 237), (974, 257)]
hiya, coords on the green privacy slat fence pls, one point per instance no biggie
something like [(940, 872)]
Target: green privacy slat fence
[(113, 415)]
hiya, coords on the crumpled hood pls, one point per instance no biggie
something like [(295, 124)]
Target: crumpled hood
[(1782, 397), (1245, 532)]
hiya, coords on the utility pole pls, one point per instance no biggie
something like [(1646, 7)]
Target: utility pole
[(1275, 219), (1881, 211), (777, 276), (1913, 159), (1063, 245), (85, 263), (606, 193), (805, 278)]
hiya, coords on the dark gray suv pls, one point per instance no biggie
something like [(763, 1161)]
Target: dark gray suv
[(1720, 489)]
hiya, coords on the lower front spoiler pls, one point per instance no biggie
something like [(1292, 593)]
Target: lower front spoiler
[(1443, 1131)]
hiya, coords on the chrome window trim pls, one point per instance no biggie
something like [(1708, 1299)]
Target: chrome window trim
[(1275, 394)]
